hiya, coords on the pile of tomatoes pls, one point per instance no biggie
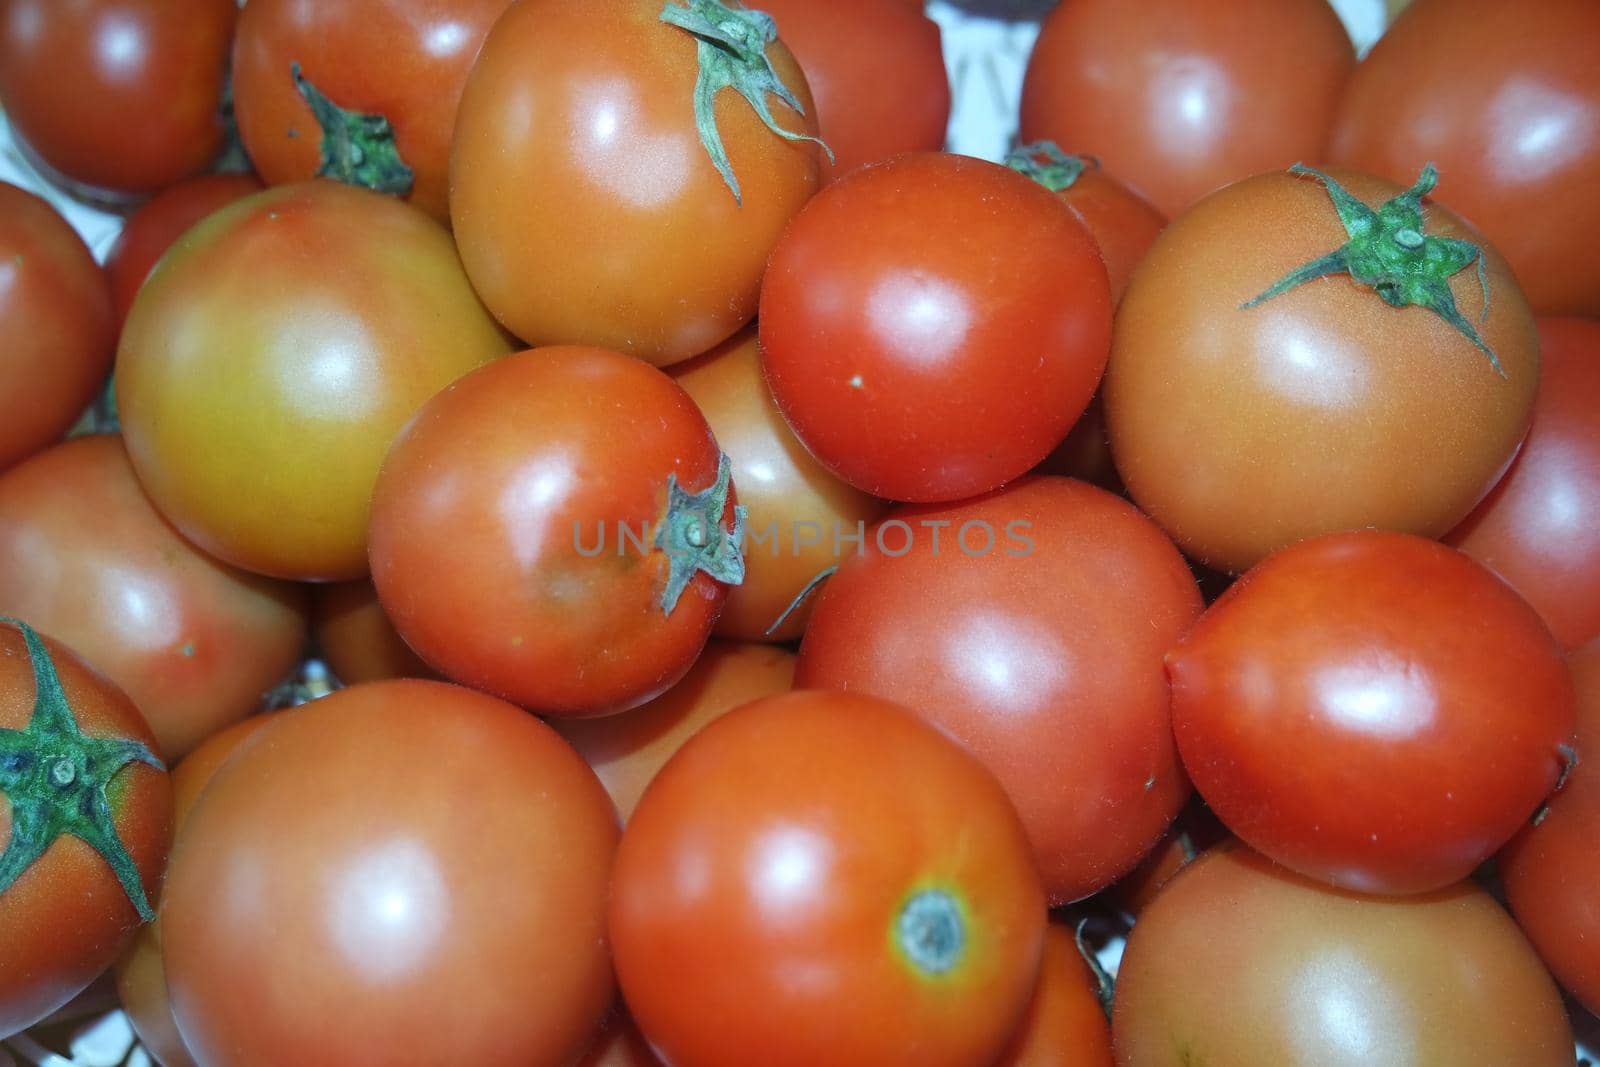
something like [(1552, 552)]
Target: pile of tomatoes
[(782, 576)]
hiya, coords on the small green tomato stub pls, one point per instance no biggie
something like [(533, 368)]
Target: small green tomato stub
[(357, 148), (693, 539), (930, 932)]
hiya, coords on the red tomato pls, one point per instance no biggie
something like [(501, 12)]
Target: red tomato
[(303, 326), (123, 96), (1066, 1025), (1178, 99), (821, 878), (87, 823), (439, 840), (932, 327), (363, 91), (1373, 710), (1062, 695), (1551, 870), (634, 240), (357, 639), (55, 318), (150, 231), (1540, 527), (876, 72), (557, 529), (1241, 429), (1505, 99)]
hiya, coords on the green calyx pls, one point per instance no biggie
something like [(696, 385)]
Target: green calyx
[(357, 149), (1389, 252), (56, 778), (693, 539), (732, 43), (1047, 164)]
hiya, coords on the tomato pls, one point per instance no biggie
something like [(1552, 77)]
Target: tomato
[(150, 231), (303, 326), (876, 73), (438, 840), (1241, 429), (86, 825), (557, 529), (1177, 99), (1540, 527), (357, 639), (85, 558), (932, 327), (1505, 100), (1550, 870), (619, 1044), (55, 318), (122, 96), (1065, 1025), (627, 750), (364, 92), (1373, 710), (821, 878), (1239, 962), (583, 193), (799, 513), (957, 628), (1195, 830)]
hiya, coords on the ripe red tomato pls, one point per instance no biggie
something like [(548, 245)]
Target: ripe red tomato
[(876, 73), (557, 529), (1373, 710), (584, 197), (122, 96), (1065, 1025), (1505, 100), (363, 91), (1550, 870), (55, 318), (438, 840), (1240, 963), (1178, 99), (85, 558), (1540, 527), (357, 639), (302, 326), (933, 326), (86, 825), (1241, 429), (1061, 694), (821, 878)]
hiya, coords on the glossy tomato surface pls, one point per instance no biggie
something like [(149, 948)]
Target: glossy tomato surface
[(1123, 223), (932, 326), (1239, 962), (356, 638), (1065, 1025), (587, 208), (821, 878), (1506, 100), (303, 326), (1373, 710), (1243, 429), (1540, 527), (371, 849), (1179, 99)]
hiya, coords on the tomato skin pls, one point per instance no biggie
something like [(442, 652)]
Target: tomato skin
[(407, 61), (932, 326), (1241, 430), (1240, 962), (634, 242), (146, 77), (387, 800), (876, 72), (1123, 224), (1338, 715), (1539, 528), (66, 918), (1178, 100), (785, 839), (501, 525), (1518, 133), (55, 316), (790, 495), (304, 325), (357, 639), (619, 1044), (1550, 870), (1065, 1025)]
